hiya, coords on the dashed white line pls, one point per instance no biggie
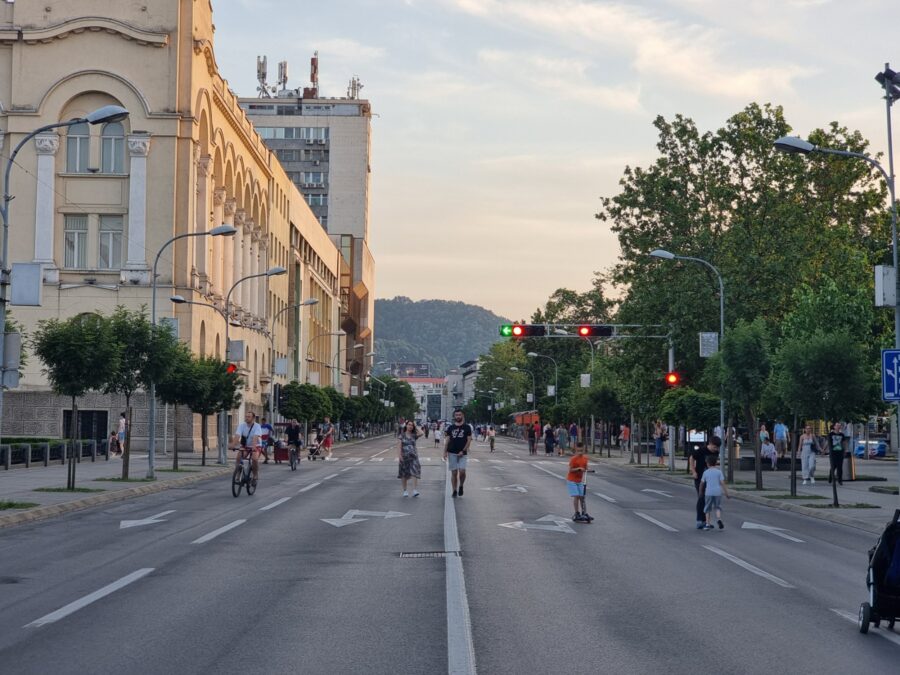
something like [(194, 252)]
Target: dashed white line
[(362, 461), (90, 598), (222, 530), (334, 475), (275, 503), (750, 568), (604, 497), (555, 475), (656, 522), (346, 469), (850, 616), (308, 487), (377, 459)]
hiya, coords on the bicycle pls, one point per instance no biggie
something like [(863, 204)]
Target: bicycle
[(294, 456), (243, 475)]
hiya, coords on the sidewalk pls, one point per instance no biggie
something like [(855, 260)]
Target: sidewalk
[(28, 486), (810, 498)]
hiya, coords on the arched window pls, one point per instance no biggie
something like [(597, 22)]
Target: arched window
[(112, 148), (78, 148)]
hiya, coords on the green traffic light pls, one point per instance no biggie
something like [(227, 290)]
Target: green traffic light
[(506, 330)]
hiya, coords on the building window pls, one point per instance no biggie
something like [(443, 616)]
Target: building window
[(312, 178), (76, 242), (110, 248), (112, 148), (317, 200), (78, 148), (347, 247)]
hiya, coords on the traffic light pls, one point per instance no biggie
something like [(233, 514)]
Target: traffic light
[(594, 330), (231, 368), (520, 330), (673, 379)]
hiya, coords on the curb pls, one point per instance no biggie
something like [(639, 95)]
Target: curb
[(45, 512), (778, 505)]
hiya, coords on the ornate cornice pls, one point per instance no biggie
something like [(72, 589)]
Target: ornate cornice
[(46, 144), (230, 206), (139, 145), (93, 24)]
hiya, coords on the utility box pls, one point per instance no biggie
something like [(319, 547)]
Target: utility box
[(885, 286)]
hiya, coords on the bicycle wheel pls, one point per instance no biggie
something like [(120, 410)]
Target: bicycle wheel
[(293, 460), (236, 482), (251, 488)]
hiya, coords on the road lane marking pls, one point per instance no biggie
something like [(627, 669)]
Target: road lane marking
[(90, 598), (362, 461), (308, 487), (777, 531), (274, 504), (555, 475), (346, 469), (215, 533), (377, 459), (605, 497), (152, 520), (656, 522), (750, 568), (380, 453), (334, 475), (854, 618), (659, 492), (460, 647)]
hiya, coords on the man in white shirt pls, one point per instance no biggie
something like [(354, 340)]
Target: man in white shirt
[(249, 439)]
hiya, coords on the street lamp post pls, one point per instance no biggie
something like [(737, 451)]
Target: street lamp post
[(309, 346), (223, 421), (535, 355), (667, 255), (533, 386), (219, 231), (334, 365), (107, 113)]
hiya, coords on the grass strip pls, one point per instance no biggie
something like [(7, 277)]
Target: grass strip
[(178, 470), (6, 505), (858, 505), (126, 480), (789, 496)]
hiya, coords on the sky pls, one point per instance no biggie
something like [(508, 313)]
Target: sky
[(499, 124)]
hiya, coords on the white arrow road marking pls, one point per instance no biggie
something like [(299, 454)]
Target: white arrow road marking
[(308, 487), (560, 524), (750, 568), (854, 618), (777, 531), (659, 492), (377, 459), (277, 502), (656, 522), (507, 488), (605, 497), (215, 533), (88, 599), (350, 517), (158, 518), (496, 461)]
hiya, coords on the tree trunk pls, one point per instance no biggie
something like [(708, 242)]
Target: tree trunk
[(729, 445), (175, 435), (753, 426), (126, 452), (70, 477), (203, 437)]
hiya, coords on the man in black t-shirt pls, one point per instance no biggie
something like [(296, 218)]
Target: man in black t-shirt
[(835, 441), (697, 465), (456, 450)]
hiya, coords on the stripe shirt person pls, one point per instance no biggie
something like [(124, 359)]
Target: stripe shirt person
[(456, 450)]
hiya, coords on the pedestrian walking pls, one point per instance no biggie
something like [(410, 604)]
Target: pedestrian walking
[(624, 437), (408, 457), (659, 438), (532, 439), (268, 438), (712, 485), (782, 437), (121, 432), (492, 435), (697, 465), (112, 445), (437, 435), (562, 440), (836, 453), (456, 450), (549, 440), (809, 449), (326, 431), (573, 434), (578, 466)]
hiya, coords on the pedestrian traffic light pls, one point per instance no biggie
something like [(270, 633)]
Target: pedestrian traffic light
[(595, 330), (673, 379), (520, 330), (231, 368)]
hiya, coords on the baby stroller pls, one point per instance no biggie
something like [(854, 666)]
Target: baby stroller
[(883, 579), (314, 448)]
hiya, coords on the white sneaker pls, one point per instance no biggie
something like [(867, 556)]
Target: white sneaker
[(806, 482), (416, 493), (405, 493), (812, 480)]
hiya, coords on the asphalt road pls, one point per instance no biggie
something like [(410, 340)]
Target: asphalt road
[(264, 584)]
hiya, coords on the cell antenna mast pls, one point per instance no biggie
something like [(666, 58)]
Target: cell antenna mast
[(282, 74), (262, 74)]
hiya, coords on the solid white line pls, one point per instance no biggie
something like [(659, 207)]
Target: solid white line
[(850, 616), (362, 461), (215, 533), (274, 504), (88, 599), (750, 568), (656, 522), (460, 648), (555, 475), (308, 487), (606, 497), (377, 459), (346, 469), (381, 453), (334, 475)]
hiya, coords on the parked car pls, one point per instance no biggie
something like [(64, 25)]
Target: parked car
[(876, 448)]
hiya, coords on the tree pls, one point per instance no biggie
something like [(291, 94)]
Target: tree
[(79, 355), (338, 402), (178, 387), (145, 355), (305, 402), (214, 389), (694, 409)]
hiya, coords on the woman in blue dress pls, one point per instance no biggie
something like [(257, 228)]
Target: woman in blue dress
[(408, 456)]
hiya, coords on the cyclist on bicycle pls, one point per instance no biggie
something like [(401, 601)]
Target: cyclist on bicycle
[(249, 435), (294, 433)]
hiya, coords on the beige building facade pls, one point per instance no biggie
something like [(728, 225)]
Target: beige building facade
[(94, 205)]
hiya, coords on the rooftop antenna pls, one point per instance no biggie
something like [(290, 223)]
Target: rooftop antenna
[(282, 74), (262, 73), (354, 87)]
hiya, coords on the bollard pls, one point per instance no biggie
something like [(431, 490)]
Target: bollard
[(6, 453), (28, 455)]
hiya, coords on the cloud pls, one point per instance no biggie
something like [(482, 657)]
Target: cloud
[(671, 52), (348, 50)]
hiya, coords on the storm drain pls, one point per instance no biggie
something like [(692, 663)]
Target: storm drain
[(429, 554)]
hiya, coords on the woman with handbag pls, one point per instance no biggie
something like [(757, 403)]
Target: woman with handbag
[(809, 448), (408, 457)]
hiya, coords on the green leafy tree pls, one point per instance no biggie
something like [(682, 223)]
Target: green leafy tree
[(178, 386), (338, 402), (694, 409), (305, 402), (79, 355), (214, 389)]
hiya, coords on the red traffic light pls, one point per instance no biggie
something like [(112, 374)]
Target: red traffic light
[(673, 378), (518, 331), (231, 368), (595, 330), (521, 330)]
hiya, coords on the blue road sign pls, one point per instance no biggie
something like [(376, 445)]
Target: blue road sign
[(890, 374)]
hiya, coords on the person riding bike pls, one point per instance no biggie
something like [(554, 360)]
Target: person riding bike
[(294, 432), (249, 437)]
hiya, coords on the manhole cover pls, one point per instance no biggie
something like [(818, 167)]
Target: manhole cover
[(429, 554)]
